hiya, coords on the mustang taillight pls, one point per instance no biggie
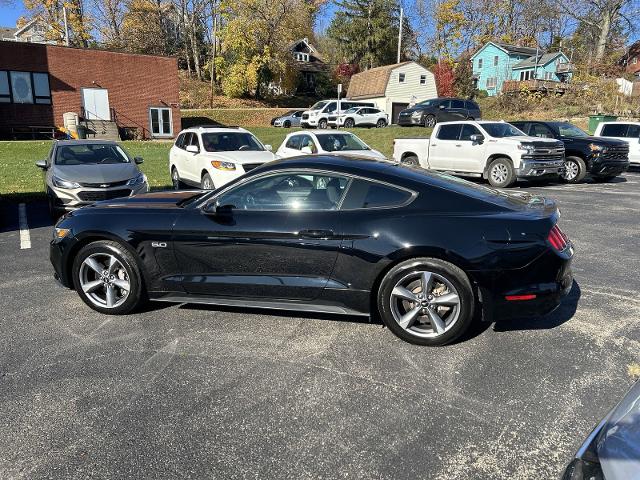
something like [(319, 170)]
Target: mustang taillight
[(557, 239)]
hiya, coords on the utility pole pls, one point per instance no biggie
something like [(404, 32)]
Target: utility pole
[(66, 26), (400, 35)]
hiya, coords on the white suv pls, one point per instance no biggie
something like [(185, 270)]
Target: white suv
[(209, 157), (623, 130), (363, 117)]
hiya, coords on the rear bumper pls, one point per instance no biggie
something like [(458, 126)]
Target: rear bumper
[(532, 291)]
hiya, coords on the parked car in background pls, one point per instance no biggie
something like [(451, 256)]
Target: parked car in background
[(322, 141), (288, 120), (430, 112), (326, 234), (80, 172), (612, 449), (325, 111), (209, 157), (602, 158), (626, 131), (496, 151), (363, 117)]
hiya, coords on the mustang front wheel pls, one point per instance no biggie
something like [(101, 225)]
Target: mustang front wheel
[(426, 301)]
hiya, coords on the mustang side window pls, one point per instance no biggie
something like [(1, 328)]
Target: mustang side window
[(366, 194), (288, 191)]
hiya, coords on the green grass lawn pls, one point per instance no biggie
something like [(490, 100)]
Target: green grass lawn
[(20, 177)]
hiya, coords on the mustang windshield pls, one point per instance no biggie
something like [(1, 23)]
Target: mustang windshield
[(501, 130), (90, 154), (231, 142), (336, 142)]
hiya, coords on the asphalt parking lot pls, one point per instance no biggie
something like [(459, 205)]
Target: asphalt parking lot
[(196, 392)]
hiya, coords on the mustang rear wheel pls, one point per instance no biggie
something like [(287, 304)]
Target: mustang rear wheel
[(107, 278), (426, 301)]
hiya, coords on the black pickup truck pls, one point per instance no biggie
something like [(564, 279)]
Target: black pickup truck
[(603, 158)]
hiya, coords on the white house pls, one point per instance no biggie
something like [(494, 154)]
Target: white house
[(393, 87), (34, 31)]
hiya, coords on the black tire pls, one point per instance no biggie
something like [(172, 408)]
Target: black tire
[(501, 173), (349, 123), (286, 124), (603, 178), (429, 121), (452, 274), (175, 179), (381, 123), (411, 161), (207, 183), (137, 295), (322, 124), (575, 170)]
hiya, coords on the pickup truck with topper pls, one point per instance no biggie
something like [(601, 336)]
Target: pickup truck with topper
[(496, 151), (602, 158)]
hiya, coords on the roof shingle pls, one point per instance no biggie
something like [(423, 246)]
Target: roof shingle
[(371, 83)]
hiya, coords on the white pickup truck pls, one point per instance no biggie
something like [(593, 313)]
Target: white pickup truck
[(627, 131), (496, 151)]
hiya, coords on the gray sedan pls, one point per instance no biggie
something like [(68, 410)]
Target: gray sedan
[(288, 120), (80, 172)]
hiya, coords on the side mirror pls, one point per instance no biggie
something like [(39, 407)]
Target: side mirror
[(222, 211), (477, 138), (193, 149), (138, 160), (42, 164), (306, 150), (268, 148)]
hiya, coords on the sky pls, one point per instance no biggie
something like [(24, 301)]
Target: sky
[(10, 13)]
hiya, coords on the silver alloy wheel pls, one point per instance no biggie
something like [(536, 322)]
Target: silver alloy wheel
[(105, 280), (207, 184), (571, 170), (499, 173), (430, 121), (425, 304)]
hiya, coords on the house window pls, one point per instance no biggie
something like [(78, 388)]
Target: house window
[(479, 63), (491, 82), (302, 57), (401, 77), (495, 61), (24, 87), (161, 122), (423, 79), (635, 60)]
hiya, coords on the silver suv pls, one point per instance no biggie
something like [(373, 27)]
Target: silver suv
[(80, 172)]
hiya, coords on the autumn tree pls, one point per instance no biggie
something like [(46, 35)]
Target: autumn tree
[(52, 14), (255, 40), (443, 73)]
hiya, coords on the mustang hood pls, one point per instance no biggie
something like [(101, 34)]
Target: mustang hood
[(165, 199), (96, 173)]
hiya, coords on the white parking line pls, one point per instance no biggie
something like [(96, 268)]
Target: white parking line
[(25, 238)]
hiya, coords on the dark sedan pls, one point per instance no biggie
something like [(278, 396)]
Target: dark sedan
[(325, 234), (430, 112)]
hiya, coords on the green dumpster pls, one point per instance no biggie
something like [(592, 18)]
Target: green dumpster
[(594, 120)]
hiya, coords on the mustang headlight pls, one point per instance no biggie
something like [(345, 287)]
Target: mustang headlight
[(138, 180), (66, 184), (223, 165), (594, 147)]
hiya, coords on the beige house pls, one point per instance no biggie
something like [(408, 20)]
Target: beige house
[(393, 87), (34, 31)]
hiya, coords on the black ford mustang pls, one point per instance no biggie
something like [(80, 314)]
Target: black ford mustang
[(325, 234)]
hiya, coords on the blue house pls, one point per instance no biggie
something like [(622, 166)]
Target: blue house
[(495, 63)]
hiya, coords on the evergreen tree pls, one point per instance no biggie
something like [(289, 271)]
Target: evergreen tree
[(366, 32)]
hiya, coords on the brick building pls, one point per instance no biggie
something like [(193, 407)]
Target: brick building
[(39, 83), (631, 59)]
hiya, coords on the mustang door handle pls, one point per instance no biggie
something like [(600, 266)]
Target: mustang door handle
[(316, 233)]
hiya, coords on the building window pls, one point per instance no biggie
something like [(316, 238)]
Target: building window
[(491, 82), (635, 60), (479, 63), (495, 61), (24, 87), (302, 57), (161, 122), (423, 79), (401, 77)]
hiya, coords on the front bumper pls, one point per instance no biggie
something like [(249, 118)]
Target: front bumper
[(72, 199), (600, 165), (531, 168), (309, 122), (409, 121)]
